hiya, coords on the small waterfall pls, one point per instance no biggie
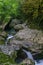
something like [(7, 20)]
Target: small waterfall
[(9, 37), (40, 62), (29, 55)]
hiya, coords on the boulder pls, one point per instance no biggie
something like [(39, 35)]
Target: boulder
[(30, 35), (30, 46), (30, 39), (14, 22), (17, 24), (18, 27)]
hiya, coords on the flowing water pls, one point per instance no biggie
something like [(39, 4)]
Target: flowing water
[(8, 37), (29, 55), (40, 62)]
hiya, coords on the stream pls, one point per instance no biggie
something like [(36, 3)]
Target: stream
[(40, 62), (29, 55)]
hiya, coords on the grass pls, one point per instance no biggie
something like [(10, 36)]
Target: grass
[(34, 25), (2, 42), (5, 58)]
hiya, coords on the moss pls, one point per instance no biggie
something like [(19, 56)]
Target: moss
[(5, 58), (2, 42), (6, 64)]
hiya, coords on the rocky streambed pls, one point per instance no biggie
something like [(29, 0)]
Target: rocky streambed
[(20, 45)]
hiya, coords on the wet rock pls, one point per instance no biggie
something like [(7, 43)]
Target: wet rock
[(8, 50), (14, 22), (12, 32), (20, 43)]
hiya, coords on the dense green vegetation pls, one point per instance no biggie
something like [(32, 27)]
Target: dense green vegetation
[(5, 58), (30, 11), (33, 12), (8, 9)]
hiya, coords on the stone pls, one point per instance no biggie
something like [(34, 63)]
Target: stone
[(27, 62), (14, 22), (30, 35), (8, 50), (28, 45), (27, 36), (18, 27)]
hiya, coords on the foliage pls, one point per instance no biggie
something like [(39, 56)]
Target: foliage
[(33, 12), (29, 10), (8, 8), (5, 58)]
